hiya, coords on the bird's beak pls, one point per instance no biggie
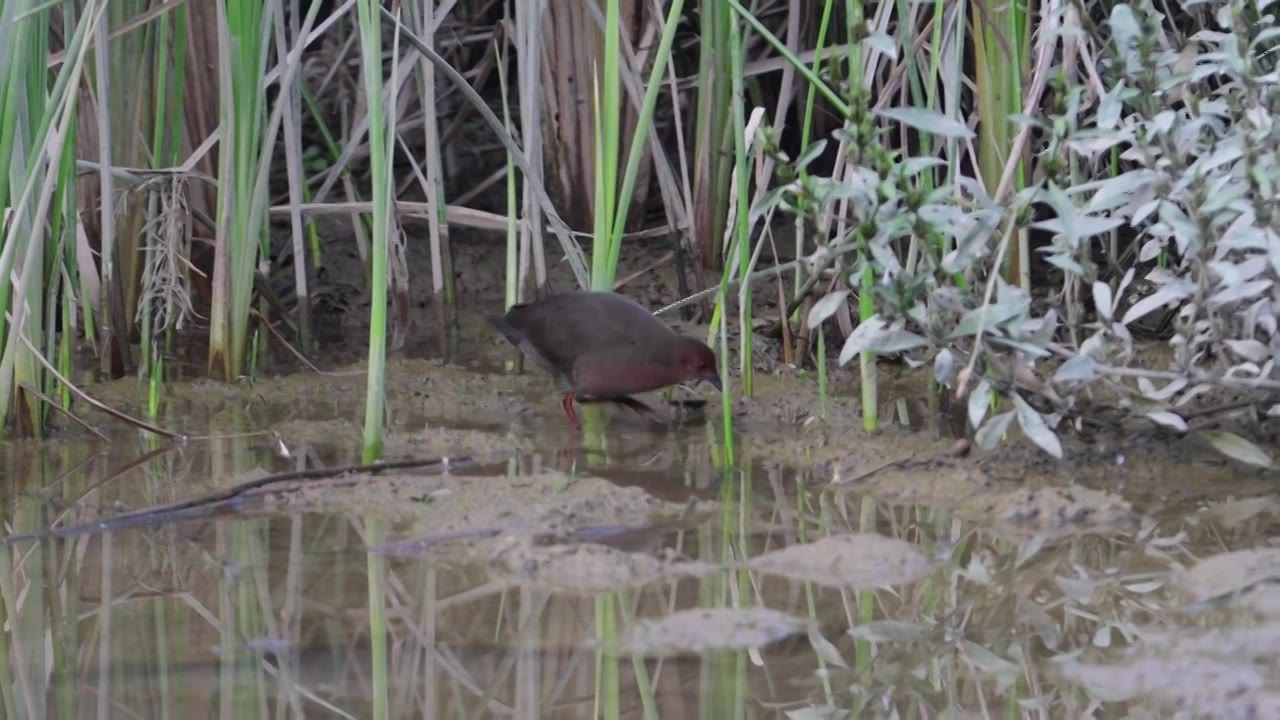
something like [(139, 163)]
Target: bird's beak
[(714, 379)]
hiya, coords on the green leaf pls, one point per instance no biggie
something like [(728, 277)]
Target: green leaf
[(1078, 368), (979, 402), (826, 307), (993, 429), (895, 341), (1237, 448), (861, 337), (1173, 292), (1102, 299), (930, 121), (1171, 420), (1036, 429)]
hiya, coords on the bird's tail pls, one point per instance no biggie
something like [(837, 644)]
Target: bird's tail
[(499, 323)]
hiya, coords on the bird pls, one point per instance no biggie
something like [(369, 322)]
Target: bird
[(605, 347)]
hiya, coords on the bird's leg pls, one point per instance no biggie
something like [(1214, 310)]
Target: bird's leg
[(568, 410)]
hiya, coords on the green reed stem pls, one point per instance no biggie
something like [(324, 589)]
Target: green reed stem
[(608, 110), (742, 228), (618, 223), (381, 154)]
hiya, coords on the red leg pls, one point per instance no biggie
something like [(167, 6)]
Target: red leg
[(568, 410)]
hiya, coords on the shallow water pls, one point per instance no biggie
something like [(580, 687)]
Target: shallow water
[(823, 573)]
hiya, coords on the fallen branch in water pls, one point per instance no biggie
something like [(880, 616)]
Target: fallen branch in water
[(219, 499)]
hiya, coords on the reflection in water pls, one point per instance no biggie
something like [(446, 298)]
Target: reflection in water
[(637, 579)]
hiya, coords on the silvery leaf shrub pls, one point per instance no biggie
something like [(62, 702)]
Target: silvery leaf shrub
[(1180, 150)]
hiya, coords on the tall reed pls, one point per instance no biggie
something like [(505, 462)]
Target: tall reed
[(36, 120), (243, 26), (381, 155)]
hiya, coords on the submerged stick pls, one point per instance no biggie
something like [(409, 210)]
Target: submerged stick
[(217, 499)]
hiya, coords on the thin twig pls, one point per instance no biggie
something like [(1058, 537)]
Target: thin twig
[(303, 358), (49, 401), (83, 396), (663, 260), (816, 259)]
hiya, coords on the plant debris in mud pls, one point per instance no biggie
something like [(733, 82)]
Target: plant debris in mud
[(852, 561), (702, 630), (585, 568), (454, 508), (1207, 686), (1056, 510), (1250, 577)]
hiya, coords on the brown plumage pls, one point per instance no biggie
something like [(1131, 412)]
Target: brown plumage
[(605, 347)]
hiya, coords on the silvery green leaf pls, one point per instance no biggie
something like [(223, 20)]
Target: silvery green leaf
[(885, 257), (1250, 349), (1102, 299), (1229, 193), (1079, 226), (1143, 211), (817, 712), (1266, 36), (1110, 107), (1124, 285), (883, 43), (993, 429), (1150, 391), (811, 153), (1162, 122), (1094, 145), (826, 307), (1243, 291), (1124, 27), (1078, 368), (888, 631), (971, 242), (1065, 262), (1261, 177), (1102, 636), (995, 314), (1114, 192), (1124, 30), (919, 313), (1237, 448), (1004, 672), (823, 647), (826, 190), (1036, 429), (861, 338), (894, 341), (1258, 116), (1039, 331), (1164, 418), (979, 401), (1032, 351), (1227, 151), (930, 121), (1185, 232), (1151, 249), (914, 165), (943, 367), (1233, 273), (1172, 292)]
